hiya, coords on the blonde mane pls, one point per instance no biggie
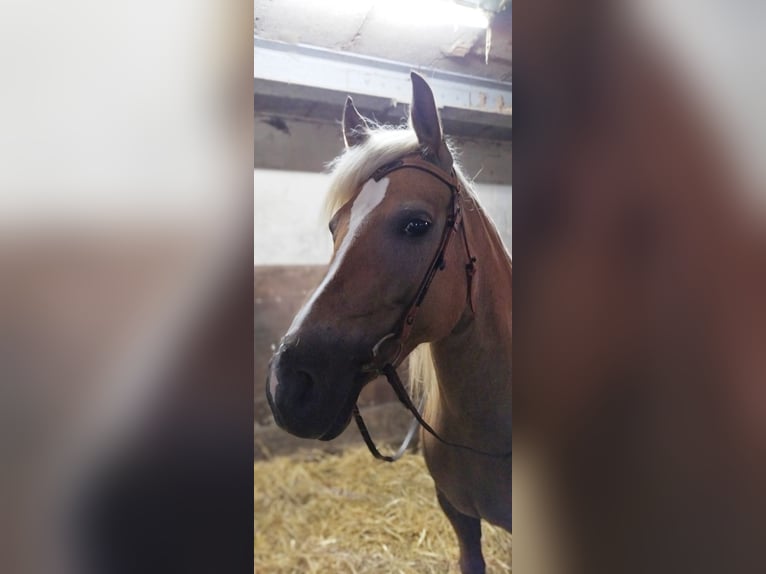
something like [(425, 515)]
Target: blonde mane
[(356, 164), (349, 171)]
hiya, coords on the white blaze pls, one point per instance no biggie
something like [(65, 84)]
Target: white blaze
[(369, 198)]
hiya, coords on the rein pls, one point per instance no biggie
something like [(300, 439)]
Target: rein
[(386, 352)]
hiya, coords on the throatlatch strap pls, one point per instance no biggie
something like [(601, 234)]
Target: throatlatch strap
[(396, 383), (401, 393), (371, 444)]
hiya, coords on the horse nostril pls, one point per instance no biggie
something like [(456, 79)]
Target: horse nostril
[(293, 389)]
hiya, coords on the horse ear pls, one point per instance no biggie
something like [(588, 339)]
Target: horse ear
[(354, 126), (426, 122)]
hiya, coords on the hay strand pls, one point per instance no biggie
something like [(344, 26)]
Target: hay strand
[(320, 512)]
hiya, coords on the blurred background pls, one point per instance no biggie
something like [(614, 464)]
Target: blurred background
[(639, 280), (125, 285)]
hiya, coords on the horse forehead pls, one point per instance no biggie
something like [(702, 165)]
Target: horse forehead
[(357, 212), (419, 185), (369, 197), (391, 189)]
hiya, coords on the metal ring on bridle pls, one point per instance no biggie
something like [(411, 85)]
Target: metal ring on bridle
[(376, 350)]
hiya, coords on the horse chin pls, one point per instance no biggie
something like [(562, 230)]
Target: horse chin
[(337, 428), (344, 416)]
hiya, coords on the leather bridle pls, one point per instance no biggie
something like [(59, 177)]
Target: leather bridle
[(389, 347), (386, 353)]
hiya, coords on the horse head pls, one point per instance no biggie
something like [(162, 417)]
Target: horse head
[(386, 228)]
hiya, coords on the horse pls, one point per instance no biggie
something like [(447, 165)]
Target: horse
[(398, 285)]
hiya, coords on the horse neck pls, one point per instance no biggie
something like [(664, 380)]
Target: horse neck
[(473, 363)]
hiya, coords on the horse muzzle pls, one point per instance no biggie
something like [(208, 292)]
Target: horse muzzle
[(310, 397)]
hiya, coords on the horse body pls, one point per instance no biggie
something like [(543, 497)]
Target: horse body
[(389, 233)]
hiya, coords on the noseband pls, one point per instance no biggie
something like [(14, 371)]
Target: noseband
[(386, 353)]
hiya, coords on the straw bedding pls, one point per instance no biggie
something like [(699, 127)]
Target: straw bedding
[(322, 512)]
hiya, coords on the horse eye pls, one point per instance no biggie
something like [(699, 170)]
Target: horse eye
[(417, 227)]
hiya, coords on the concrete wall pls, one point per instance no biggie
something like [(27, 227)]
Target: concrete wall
[(286, 143)]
